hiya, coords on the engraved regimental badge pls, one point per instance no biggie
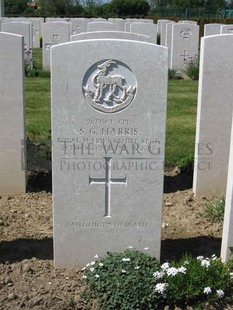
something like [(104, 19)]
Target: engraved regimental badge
[(109, 86), (186, 33)]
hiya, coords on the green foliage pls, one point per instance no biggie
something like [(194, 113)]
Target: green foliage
[(192, 69), (60, 7), (34, 68), (123, 280), (15, 7), (72, 303), (214, 211), (134, 280), (30, 69), (173, 75), (129, 7), (186, 164), (44, 73), (188, 279)]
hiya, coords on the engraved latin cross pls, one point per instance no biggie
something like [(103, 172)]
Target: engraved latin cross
[(108, 181)]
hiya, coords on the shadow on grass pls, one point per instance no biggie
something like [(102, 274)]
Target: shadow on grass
[(196, 246)]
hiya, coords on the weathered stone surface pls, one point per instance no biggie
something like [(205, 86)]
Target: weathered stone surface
[(227, 235), (108, 124), (12, 116), (214, 115), (146, 29), (110, 35), (212, 29), (184, 48), (54, 33)]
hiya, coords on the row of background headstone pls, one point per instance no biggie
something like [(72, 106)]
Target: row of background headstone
[(78, 24), (181, 38)]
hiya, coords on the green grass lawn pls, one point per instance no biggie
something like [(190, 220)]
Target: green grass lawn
[(181, 115), (181, 119)]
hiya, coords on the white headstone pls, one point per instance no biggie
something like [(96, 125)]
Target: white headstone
[(127, 26), (100, 26), (12, 116), (212, 29), (150, 21), (159, 22), (23, 28), (184, 48), (168, 41), (226, 29), (108, 147), (146, 29), (110, 35), (227, 235), (36, 27), (54, 33), (163, 25), (79, 25), (187, 22), (36, 31), (54, 19), (118, 22), (214, 115)]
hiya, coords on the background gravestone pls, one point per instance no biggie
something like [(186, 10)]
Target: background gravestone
[(110, 35), (187, 22), (36, 31), (214, 115), (146, 29), (227, 235), (108, 147), (79, 25), (184, 47), (54, 33), (162, 26), (226, 29), (100, 26), (212, 29), (12, 116), (168, 41), (118, 22), (23, 28)]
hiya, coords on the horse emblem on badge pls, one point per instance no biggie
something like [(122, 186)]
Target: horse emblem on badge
[(109, 86)]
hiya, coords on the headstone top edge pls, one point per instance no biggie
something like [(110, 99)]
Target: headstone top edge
[(83, 34), (58, 22), (2, 33), (18, 22), (216, 36), (107, 40)]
